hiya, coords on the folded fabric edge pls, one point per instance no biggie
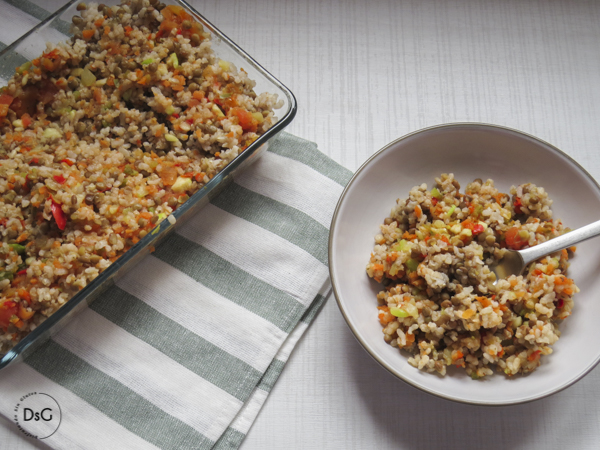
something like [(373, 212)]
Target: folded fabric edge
[(235, 433)]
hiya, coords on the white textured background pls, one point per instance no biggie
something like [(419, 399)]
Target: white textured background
[(365, 73)]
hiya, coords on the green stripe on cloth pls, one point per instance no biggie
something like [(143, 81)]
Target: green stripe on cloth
[(271, 375), (292, 225), (307, 153), (230, 440), (10, 62), (314, 309), (40, 13), (30, 8), (228, 280), (115, 400), (198, 355)]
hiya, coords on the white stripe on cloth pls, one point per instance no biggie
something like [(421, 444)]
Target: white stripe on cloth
[(169, 386), (295, 184), (286, 349), (89, 428), (217, 319), (248, 413), (258, 252), (16, 22)]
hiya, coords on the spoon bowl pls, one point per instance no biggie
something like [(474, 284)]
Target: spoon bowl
[(514, 261)]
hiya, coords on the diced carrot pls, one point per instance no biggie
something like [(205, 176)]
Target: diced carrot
[(418, 211), (98, 95), (24, 294), (87, 34), (391, 257), (22, 237), (456, 355), (468, 314), (485, 302), (106, 29), (26, 119), (534, 356), (198, 95), (99, 22)]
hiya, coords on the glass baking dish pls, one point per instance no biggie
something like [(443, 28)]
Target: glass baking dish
[(56, 28)]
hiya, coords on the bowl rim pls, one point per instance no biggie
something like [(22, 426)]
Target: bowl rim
[(334, 284)]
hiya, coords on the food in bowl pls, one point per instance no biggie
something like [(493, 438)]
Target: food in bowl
[(103, 137), (441, 301)]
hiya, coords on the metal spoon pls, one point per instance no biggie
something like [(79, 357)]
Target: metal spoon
[(515, 261)]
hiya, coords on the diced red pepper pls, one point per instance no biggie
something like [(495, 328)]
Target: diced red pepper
[(59, 215), (22, 272), (560, 303), (5, 101), (434, 201), (7, 310), (59, 179), (517, 205), (477, 229)]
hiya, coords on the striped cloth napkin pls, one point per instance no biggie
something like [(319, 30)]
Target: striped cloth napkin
[(184, 350)]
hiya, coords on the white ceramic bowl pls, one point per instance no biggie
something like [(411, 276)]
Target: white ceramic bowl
[(469, 151)]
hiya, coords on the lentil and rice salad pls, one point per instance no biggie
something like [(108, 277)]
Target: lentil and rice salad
[(101, 138), (441, 302)]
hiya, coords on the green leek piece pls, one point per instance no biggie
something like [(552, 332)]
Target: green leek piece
[(87, 78), (6, 275), (182, 184), (451, 210), (52, 133), (400, 246), (398, 312), (412, 264), (18, 248), (435, 192), (173, 61)]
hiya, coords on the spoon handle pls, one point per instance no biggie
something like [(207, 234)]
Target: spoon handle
[(566, 240)]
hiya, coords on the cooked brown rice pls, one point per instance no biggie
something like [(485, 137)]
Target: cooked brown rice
[(440, 302)]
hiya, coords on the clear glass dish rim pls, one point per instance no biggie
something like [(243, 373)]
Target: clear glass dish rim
[(104, 280)]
